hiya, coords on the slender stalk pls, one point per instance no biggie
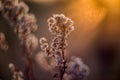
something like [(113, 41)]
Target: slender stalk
[(62, 71), (29, 70)]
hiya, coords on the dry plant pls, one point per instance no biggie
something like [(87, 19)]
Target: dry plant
[(61, 26), (17, 74)]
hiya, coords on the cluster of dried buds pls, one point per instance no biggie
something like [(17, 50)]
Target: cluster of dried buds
[(60, 26), (16, 13), (3, 42), (17, 74)]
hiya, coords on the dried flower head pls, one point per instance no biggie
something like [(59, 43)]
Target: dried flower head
[(11, 67), (23, 7), (43, 40), (22, 31), (17, 74), (29, 20), (61, 27), (26, 25), (44, 46), (18, 11), (58, 24)]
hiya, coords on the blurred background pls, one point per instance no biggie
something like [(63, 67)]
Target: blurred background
[(96, 38)]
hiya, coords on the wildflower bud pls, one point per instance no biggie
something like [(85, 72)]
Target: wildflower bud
[(57, 39), (44, 46), (22, 30), (61, 27), (59, 24), (51, 29), (23, 6), (29, 21), (69, 22), (53, 50), (11, 67), (17, 74), (43, 40), (48, 51), (51, 22), (54, 45), (63, 45), (19, 11)]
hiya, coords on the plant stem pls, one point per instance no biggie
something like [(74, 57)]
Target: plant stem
[(62, 70), (29, 69)]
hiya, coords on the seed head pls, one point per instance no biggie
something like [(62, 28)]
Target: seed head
[(58, 23), (43, 40), (11, 67)]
